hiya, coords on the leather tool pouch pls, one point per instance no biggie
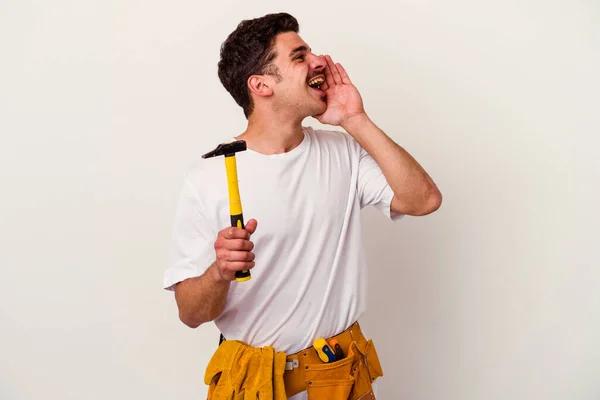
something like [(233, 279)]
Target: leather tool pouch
[(349, 378)]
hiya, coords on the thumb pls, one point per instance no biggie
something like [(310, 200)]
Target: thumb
[(251, 226)]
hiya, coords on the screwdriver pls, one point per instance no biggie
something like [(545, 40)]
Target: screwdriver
[(324, 351), (337, 349)]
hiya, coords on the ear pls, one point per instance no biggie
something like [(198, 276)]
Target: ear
[(261, 85)]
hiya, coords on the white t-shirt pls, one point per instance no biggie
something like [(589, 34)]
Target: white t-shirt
[(310, 275)]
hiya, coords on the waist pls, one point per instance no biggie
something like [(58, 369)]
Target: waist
[(290, 336)]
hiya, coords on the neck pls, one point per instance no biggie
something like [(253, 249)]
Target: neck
[(272, 133)]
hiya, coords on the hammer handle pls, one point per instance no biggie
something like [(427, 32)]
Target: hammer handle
[(238, 221), (235, 205)]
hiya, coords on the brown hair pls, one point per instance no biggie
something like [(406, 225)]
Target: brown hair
[(248, 51)]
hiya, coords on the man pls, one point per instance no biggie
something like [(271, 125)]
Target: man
[(306, 189)]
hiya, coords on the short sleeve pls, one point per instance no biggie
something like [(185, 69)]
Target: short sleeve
[(191, 250), (373, 188)]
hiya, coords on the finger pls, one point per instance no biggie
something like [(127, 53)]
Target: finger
[(236, 256), (343, 74), (234, 233), (238, 244), (334, 72), (239, 265), (251, 226), (328, 76)]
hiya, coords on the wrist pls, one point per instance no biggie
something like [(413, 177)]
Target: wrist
[(356, 123), (215, 274)]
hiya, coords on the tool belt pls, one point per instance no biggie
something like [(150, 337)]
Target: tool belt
[(238, 371)]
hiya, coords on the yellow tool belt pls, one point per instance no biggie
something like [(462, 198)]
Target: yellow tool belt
[(238, 371)]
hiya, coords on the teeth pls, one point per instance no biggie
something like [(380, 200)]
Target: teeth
[(316, 81)]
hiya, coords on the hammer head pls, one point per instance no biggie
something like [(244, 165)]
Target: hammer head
[(227, 149)]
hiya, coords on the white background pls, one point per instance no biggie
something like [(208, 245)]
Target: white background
[(103, 104)]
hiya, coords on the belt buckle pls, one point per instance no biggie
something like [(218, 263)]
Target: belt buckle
[(290, 365)]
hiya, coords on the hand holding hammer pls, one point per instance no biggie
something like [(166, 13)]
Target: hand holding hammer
[(232, 245)]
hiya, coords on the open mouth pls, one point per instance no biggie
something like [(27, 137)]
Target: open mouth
[(316, 82)]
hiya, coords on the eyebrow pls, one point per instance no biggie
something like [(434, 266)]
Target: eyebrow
[(299, 49)]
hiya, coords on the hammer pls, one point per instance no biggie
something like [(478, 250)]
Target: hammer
[(235, 204)]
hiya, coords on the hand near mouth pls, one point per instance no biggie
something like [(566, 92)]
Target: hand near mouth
[(343, 99)]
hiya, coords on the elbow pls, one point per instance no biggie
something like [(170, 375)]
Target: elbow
[(433, 201), (424, 204), (190, 320), (195, 318)]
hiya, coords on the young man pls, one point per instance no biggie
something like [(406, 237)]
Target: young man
[(305, 188)]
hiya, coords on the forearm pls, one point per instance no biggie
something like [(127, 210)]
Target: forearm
[(414, 190), (202, 299)]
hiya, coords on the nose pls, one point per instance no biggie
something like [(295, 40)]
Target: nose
[(317, 63)]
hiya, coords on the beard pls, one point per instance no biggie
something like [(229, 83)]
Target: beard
[(318, 104), (319, 109), (302, 104)]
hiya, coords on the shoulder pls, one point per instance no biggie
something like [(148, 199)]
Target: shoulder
[(327, 137), (203, 174)]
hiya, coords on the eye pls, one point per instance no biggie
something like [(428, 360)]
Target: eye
[(300, 57)]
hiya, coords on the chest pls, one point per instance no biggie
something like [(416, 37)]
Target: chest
[(286, 197)]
